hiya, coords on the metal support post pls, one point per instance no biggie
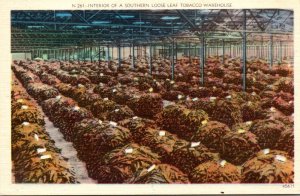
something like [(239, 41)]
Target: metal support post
[(271, 51), (84, 53), (123, 51), (261, 48), (150, 58), (78, 55), (91, 54), (208, 50), (244, 51), (202, 59), (69, 53), (170, 52), (223, 51), (172, 59), (176, 52), (108, 53), (217, 49), (280, 51), (87, 53), (99, 53), (189, 52), (132, 60), (132, 55), (205, 51), (119, 55), (81, 54)]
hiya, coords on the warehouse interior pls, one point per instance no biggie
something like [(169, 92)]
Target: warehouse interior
[(152, 96)]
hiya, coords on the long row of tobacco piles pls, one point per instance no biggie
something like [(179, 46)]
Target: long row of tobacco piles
[(34, 155), (133, 126)]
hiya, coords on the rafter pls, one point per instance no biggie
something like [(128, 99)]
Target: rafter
[(76, 27), (258, 23), (185, 18)]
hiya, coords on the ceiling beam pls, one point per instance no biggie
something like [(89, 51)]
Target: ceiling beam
[(235, 25), (269, 22), (182, 15), (89, 24), (258, 23)]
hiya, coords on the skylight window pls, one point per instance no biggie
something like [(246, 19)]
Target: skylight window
[(81, 27), (170, 17), (101, 22), (125, 16), (139, 22), (63, 14), (35, 27)]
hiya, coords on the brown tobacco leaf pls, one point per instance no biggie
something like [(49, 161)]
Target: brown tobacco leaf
[(238, 147), (147, 105), (214, 172), (227, 111), (211, 134), (267, 132), (186, 157), (182, 121), (160, 141), (120, 164), (98, 138), (162, 173), (42, 91), (286, 142), (266, 168), (30, 115)]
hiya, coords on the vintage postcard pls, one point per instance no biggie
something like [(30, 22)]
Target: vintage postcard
[(159, 97)]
